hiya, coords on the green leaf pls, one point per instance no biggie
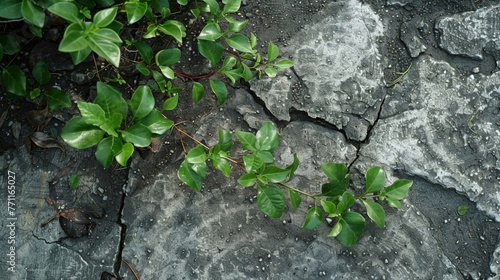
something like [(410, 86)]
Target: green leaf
[(314, 218), (231, 6), (393, 202), (142, 102), (67, 10), (271, 72), (353, 225), (189, 177), (272, 52), (247, 139), (196, 155), (34, 93), (210, 32), (295, 199), (14, 80), (336, 230), (79, 56), (225, 140), (143, 69), (270, 201), (265, 156), (35, 30), (345, 201), (57, 99), (275, 174), (73, 180), (293, 167), (41, 73), (107, 34), (175, 29), (239, 42), (138, 135), (145, 51), (398, 190), (107, 149), (80, 135), (220, 90), (198, 92), (375, 179), (73, 40), (171, 103), (125, 154), (105, 48), (156, 122), (10, 44), (329, 207), (267, 137), (182, 2), (104, 17), (253, 40), (213, 7), (167, 72), (221, 164), (135, 11), (462, 210), (252, 163), (32, 13), (246, 74), (284, 63), (375, 212), (92, 113), (236, 26), (210, 50), (10, 9), (247, 180), (336, 172), (168, 57), (110, 100)]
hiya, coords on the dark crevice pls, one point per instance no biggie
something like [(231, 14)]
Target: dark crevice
[(123, 234), (48, 242)]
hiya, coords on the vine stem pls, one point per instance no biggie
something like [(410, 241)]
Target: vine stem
[(297, 190)]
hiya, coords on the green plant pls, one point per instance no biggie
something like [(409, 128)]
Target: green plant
[(14, 81), (270, 180), (106, 122)]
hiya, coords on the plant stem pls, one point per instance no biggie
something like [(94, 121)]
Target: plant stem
[(297, 190)]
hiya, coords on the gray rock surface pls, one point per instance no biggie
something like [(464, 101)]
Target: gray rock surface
[(470, 32), (439, 127), (339, 64)]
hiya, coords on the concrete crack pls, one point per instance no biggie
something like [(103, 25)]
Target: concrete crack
[(123, 234)]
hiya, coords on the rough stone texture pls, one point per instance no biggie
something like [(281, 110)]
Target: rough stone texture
[(468, 33), (46, 253), (339, 64), (220, 234), (412, 36), (442, 127)]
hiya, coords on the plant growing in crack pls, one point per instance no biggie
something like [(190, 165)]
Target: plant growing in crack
[(271, 180)]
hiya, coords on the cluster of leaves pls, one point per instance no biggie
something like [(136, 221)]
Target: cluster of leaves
[(15, 83), (270, 181), (108, 115), (96, 26)]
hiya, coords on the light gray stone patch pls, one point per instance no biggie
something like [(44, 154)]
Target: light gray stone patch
[(443, 127), (339, 64), (468, 33)]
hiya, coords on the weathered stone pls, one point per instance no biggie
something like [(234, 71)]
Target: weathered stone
[(338, 62), (468, 33), (443, 127), (411, 36), (46, 253)]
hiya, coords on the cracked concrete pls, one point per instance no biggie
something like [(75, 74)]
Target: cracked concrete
[(438, 127)]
